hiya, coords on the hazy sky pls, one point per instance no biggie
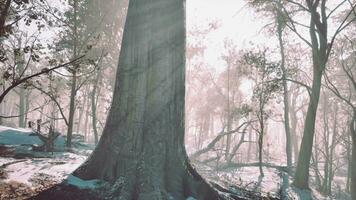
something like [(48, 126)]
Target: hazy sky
[(237, 23)]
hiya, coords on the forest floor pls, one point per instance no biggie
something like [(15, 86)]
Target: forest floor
[(25, 173)]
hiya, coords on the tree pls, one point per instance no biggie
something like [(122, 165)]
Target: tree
[(275, 8), (267, 84), (321, 47), (143, 139), (348, 64)]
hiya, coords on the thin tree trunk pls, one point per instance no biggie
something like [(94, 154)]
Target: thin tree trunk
[(332, 149), (349, 167), (249, 148), (294, 122), (22, 107), (228, 114), (320, 53), (81, 111), (285, 92), (93, 106), (86, 131), (326, 134), (71, 110), (73, 91), (27, 106), (20, 65), (302, 171), (353, 155), (353, 170)]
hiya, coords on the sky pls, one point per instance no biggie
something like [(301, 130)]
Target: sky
[(237, 23)]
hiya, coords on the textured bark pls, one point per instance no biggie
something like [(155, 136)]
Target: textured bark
[(143, 140)]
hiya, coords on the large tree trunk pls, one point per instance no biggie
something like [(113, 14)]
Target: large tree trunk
[(143, 139)]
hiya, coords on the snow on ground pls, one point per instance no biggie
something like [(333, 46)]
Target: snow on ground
[(34, 167), (82, 184), (57, 167), (23, 137), (248, 178)]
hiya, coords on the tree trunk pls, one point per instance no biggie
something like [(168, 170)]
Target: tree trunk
[(353, 155), (3, 15), (318, 31), (86, 131), (73, 91), (294, 122), (20, 66), (82, 110), (353, 170), (285, 92), (349, 169), (326, 141), (71, 110), (333, 146), (22, 108), (143, 139), (228, 114), (94, 105), (27, 106), (302, 171)]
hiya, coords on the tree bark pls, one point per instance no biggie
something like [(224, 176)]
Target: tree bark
[(285, 91), (71, 111), (73, 91), (320, 49), (143, 139), (302, 172), (353, 155), (294, 123), (94, 105), (3, 15)]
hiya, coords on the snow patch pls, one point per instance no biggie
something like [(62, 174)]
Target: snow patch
[(82, 184), (12, 136)]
